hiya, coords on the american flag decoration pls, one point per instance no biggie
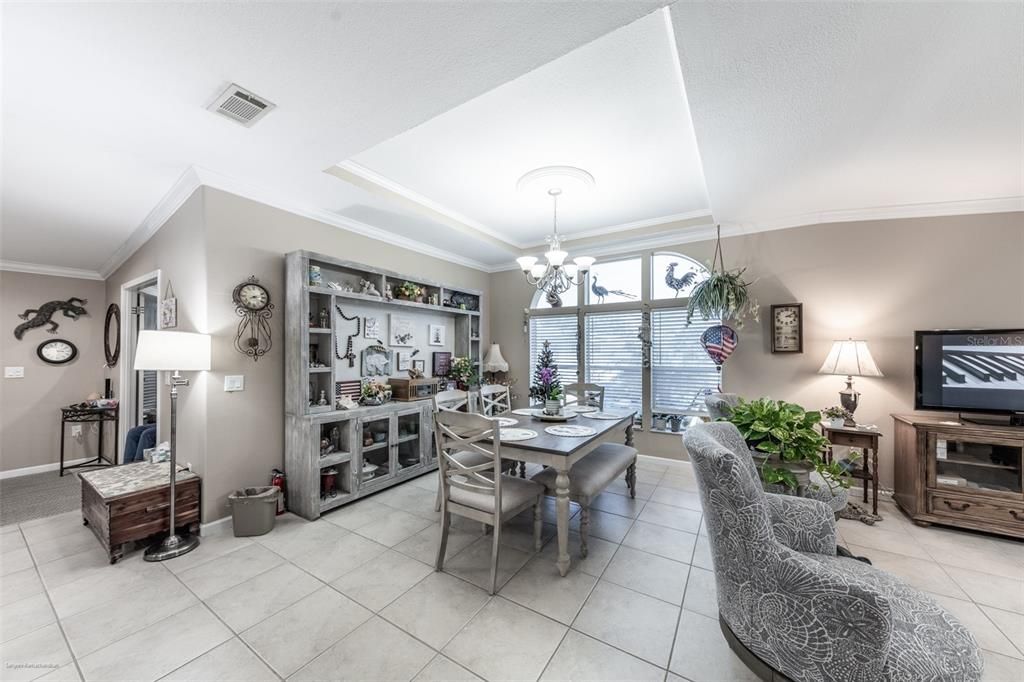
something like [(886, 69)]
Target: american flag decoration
[(719, 342)]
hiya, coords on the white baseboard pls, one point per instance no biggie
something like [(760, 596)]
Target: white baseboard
[(42, 468), (218, 527)]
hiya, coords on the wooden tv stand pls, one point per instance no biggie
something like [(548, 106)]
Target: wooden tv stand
[(959, 474)]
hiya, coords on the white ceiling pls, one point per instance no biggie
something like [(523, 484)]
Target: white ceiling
[(809, 108), (103, 103), (801, 112), (615, 107)]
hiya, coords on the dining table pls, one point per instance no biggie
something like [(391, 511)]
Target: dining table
[(561, 452)]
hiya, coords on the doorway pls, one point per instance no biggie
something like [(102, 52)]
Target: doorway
[(140, 389)]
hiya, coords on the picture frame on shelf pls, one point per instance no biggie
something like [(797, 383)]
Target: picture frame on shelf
[(442, 362), (787, 320), (419, 365), (401, 331), (436, 334)]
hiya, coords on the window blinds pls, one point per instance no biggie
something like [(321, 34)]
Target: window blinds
[(681, 372), (614, 359), (560, 330)]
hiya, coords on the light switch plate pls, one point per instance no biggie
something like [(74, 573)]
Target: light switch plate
[(234, 383), (14, 372)]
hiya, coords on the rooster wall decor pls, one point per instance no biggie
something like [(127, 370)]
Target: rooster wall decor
[(677, 284), (601, 292)]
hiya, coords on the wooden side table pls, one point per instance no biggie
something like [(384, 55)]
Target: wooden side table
[(865, 439), (131, 502)]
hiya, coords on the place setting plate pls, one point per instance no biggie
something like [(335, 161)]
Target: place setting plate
[(582, 409), (505, 421), (524, 411), (512, 435), (572, 430), (603, 415)]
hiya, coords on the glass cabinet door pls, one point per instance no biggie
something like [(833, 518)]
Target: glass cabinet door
[(990, 467), (407, 439), (375, 435)]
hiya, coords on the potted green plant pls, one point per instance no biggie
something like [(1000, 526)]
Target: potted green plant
[(409, 291), (838, 417), (375, 393), (784, 438), (724, 294)]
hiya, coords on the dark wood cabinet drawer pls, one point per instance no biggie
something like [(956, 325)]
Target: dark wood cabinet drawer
[(1008, 513)]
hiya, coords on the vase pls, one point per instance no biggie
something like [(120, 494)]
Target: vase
[(837, 422), (552, 407)]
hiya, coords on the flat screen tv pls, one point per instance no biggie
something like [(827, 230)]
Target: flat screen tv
[(970, 370)]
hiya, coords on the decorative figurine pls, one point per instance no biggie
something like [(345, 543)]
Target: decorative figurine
[(334, 285), (389, 294), (323, 399), (415, 373), (37, 317), (325, 319), (368, 288)]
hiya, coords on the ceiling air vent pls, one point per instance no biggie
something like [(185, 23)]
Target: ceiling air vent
[(241, 106)]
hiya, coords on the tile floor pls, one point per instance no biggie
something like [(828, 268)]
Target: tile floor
[(354, 596)]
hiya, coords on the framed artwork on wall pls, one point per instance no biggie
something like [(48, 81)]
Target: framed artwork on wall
[(419, 365), (442, 363), (403, 360), (401, 331), (435, 334), (371, 328), (787, 321)]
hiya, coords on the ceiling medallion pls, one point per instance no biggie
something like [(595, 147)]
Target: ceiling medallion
[(556, 276)]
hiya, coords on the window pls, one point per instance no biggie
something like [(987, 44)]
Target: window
[(542, 302), (681, 372), (614, 358), (671, 267), (560, 330), (616, 281)]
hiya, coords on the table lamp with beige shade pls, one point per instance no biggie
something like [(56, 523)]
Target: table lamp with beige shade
[(853, 359), (170, 351)]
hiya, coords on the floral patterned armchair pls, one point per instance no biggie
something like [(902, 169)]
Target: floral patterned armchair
[(790, 606)]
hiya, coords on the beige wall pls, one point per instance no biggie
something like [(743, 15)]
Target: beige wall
[(177, 251), (245, 433), (876, 280), (30, 407)]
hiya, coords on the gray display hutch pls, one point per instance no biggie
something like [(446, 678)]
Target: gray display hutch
[(402, 432)]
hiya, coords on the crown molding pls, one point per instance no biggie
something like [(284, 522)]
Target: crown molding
[(895, 212), (626, 227), (224, 183), (179, 192), (404, 192), (51, 270)]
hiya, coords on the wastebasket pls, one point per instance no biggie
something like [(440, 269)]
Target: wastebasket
[(253, 510)]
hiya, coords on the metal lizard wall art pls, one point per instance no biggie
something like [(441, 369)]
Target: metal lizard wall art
[(41, 316)]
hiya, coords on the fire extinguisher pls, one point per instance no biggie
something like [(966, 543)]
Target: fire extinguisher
[(277, 479)]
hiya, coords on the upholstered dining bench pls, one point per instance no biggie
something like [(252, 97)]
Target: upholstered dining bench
[(590, 476)]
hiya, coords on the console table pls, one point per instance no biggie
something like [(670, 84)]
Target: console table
[(130, 502), (75, 414), (960, 474), (865, 439)]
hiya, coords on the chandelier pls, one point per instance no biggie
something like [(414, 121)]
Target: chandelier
[(555, 276)]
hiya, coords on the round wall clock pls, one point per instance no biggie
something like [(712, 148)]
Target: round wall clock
[(252, 304), (57, 352)]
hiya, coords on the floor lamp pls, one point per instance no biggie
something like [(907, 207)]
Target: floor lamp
[(168, 351)]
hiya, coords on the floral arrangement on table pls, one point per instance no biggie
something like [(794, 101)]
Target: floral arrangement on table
[(784, 437), (410, 292), (462, 372), (375, 393)]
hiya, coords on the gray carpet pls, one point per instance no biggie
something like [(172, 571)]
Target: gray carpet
[(37, 496)]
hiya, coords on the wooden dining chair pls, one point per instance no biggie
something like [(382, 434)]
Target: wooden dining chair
[(586, 394), (479, 491), (452, 400), (495, 400)]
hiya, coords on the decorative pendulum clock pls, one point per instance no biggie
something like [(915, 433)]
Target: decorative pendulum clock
[(252, 304)]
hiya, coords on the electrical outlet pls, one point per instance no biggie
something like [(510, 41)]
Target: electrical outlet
[(14, 372), (76, 430), (234, 383)]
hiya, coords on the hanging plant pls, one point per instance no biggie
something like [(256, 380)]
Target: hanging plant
[(723, 295)]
